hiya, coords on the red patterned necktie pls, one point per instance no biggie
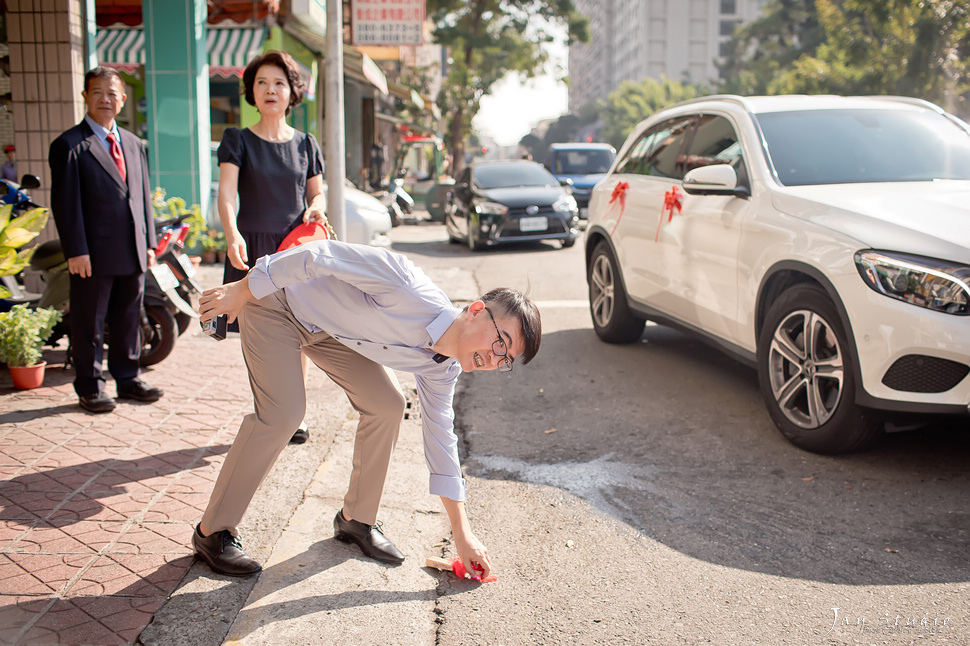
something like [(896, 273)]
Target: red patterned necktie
[(116, 156)]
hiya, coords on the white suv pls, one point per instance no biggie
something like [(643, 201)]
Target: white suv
[(824, 240)]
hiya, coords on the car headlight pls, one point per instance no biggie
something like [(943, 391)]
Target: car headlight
[(491, 208), (565, 203), (934, 284)]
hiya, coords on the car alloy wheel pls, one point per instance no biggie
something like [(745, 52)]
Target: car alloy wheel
[(612, 319), (805, 369), (807, 374)]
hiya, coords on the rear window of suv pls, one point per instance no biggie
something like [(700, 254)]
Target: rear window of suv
[(858, 146)]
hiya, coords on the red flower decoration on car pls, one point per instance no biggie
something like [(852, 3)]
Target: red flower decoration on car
[(619, 195), (673, 199)]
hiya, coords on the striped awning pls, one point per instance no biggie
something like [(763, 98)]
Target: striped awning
[(229, 48)]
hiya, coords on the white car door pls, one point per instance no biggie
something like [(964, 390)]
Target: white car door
[(638, 186), (698, 246)]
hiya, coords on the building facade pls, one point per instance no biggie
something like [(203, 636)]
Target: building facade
[(636, 39)]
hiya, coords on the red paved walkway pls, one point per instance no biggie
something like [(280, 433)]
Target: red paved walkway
[(96, 511)]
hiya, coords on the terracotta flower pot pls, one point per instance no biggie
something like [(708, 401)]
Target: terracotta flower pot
[(196, 261), (209, 257), (27, 377)]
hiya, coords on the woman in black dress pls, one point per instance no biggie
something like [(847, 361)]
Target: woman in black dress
[(276, 170)]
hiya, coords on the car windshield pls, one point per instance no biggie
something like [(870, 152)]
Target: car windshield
[(858, 146), (506, 175), (583, 162)]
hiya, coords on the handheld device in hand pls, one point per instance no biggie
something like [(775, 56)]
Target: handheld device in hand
[(216, 328)]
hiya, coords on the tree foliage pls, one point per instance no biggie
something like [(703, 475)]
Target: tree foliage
[(633, 102), (907, 47), (764, 48), (901, 47), (486, 39)]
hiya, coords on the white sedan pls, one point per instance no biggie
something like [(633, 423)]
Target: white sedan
[(824, 240)]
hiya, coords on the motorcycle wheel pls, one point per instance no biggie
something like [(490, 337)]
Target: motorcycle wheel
[(158, 333)]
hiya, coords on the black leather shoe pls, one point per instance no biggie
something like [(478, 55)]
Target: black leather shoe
[(369, 538), (223, 553), (97, 403), (139, 391), (301, 435)]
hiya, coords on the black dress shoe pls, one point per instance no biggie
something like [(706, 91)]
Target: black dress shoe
[(301, 435), (97, 403), (369, 538), (139, 391), (223, 553)]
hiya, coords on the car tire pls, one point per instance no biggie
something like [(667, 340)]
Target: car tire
[(814, 408), (612, 318)]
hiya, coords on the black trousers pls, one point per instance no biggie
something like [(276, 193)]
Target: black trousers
[(96, 300)]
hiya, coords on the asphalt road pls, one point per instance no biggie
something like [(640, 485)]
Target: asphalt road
[(641, 494)]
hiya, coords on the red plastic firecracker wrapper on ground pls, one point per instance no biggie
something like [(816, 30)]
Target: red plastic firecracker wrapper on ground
[(457, 566), (673, 199), (618, 197)]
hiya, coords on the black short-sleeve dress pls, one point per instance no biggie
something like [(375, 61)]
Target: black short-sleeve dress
[(272, 188)]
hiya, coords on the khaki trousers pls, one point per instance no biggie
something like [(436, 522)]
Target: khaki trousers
[(272, 342)]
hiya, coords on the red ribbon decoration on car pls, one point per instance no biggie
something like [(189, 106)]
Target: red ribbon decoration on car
[(673, 199), (619, 195)]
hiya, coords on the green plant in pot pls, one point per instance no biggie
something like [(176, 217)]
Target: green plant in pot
[(23, 331)]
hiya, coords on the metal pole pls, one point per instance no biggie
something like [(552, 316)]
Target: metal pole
[(334, 119)]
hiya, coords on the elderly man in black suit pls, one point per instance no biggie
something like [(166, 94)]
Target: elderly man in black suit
[(102, 206)]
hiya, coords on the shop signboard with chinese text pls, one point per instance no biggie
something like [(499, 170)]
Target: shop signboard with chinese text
[(387, 22)]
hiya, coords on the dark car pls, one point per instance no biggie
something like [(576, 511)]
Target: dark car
[(511, 201), (583, 164)]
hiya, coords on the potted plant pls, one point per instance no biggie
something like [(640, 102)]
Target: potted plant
[(23, 331), (221, 245), (208, 244)]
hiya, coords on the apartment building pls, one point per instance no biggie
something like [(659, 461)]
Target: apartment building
[(635, 39)]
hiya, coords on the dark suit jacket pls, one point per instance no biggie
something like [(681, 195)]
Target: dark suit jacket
[(95, 212)]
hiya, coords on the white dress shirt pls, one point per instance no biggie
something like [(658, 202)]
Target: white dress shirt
[(379, 304)]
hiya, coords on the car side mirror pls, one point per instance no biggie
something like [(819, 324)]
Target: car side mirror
[(716, 179), (30, 181)]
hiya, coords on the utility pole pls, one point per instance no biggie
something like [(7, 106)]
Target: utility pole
[(333, 72)]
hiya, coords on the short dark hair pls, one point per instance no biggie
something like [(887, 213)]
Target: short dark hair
[(283, 61), (515, 303), (101, 72)]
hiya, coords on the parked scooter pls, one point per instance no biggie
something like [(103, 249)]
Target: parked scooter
[(171, 235), (396, 199), (158, 325), (401, 196)]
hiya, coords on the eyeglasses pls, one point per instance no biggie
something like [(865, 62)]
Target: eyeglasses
[(499, 349)]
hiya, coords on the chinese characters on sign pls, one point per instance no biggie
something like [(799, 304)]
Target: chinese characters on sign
[(387, 22)]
